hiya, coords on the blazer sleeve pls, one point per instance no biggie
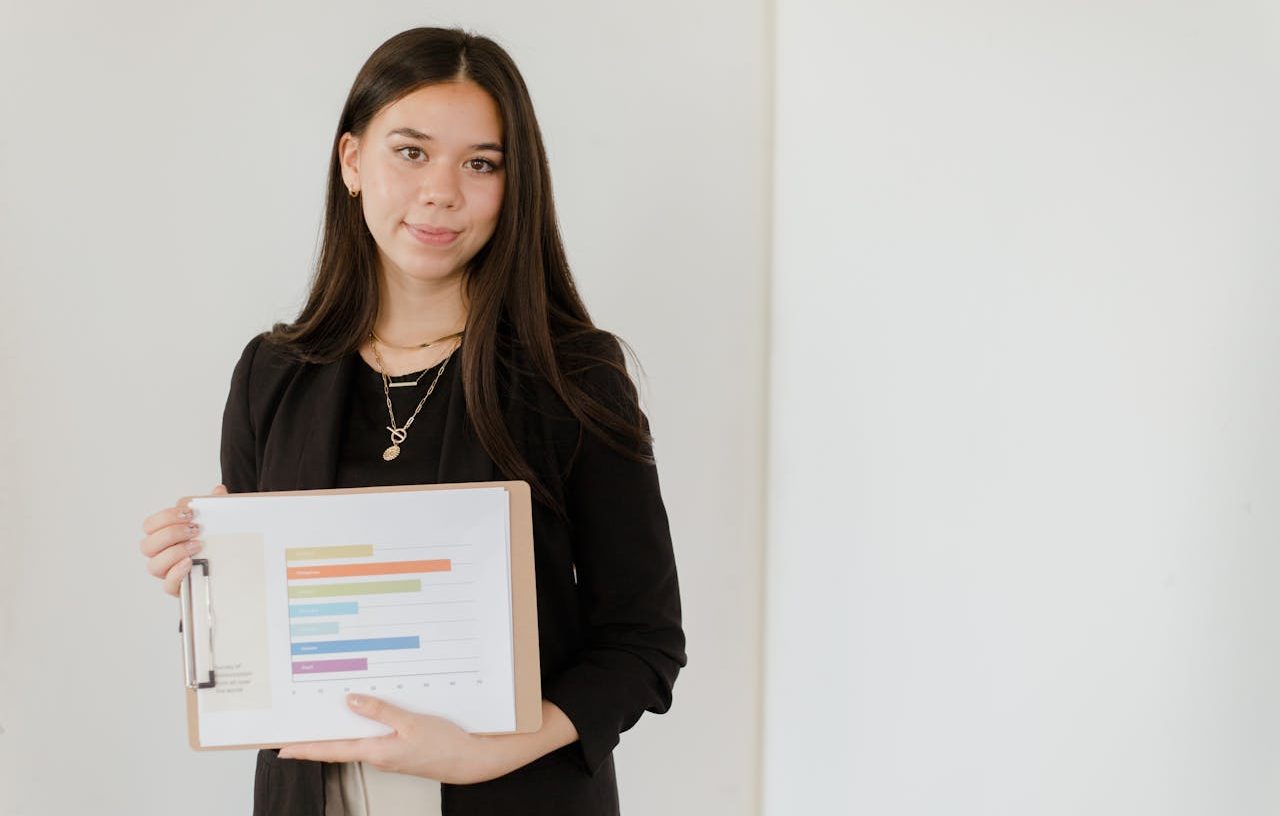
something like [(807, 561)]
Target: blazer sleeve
[(627, 588), (238, 451)]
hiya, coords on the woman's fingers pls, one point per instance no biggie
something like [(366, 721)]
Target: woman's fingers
[(171, 515), (173, 578), (164, 518), (170, 526), (178, 531), (168, 544), (160, 563)]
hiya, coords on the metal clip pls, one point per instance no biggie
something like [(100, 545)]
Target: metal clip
[(187, 627)]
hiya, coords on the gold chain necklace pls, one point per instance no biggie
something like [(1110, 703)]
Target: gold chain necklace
[(409, 383), (417, 347), (398, 434), (414, 383)]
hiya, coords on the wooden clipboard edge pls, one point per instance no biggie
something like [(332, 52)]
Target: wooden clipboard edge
[(524, 602)]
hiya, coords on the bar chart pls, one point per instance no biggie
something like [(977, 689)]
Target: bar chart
[(362, 611)]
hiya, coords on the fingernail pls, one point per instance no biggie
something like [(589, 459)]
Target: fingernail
[(193, 528), (356, 700), (194, 546), (186, 514)]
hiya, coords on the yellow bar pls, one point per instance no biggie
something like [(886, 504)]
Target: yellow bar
[(321, 553)]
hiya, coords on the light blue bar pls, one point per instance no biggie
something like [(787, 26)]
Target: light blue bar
[(321, 628), (361, 645), (312, 610)]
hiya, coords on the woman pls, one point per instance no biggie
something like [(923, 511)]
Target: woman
[(443, 340)]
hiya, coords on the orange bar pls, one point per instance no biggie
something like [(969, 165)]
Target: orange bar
[(380, 568)]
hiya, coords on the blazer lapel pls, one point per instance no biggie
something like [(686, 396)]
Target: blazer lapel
[(302, 446)]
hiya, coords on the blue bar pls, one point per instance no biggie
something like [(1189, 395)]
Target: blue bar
[(320, 628), (362, 645), (311, 610)]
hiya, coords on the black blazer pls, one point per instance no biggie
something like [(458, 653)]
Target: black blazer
[(609, 628)]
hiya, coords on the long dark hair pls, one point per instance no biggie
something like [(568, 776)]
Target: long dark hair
[(521, 293)]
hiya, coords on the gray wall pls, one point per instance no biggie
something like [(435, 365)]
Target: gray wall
[(1024, 400)]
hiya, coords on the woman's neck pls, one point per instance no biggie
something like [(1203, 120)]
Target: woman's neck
[(412, 312)]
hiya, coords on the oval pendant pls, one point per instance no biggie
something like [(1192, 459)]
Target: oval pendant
[(391, 453)]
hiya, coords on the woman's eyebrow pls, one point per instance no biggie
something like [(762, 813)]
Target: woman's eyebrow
[(413, 133)]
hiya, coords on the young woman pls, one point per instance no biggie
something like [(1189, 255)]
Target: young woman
[(444, 341)]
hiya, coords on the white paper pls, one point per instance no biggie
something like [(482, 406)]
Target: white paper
[(424, 622)]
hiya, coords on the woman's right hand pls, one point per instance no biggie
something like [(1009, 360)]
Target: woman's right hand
[(169, 544)]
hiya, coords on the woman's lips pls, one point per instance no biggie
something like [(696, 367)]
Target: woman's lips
[(432, 236)]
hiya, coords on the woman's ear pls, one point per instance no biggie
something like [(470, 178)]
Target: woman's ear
[(349, 160)]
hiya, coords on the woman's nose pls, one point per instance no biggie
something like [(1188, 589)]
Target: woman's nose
[(439, 185)]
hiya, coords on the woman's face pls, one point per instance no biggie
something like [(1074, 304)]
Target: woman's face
[(429, 169)]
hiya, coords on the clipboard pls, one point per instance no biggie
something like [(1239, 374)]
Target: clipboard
[(199, 616)]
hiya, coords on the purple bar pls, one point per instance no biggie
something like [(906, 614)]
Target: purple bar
[(347, 664)]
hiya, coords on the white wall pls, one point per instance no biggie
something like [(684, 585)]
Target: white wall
[(162, 175), (1024, 396)]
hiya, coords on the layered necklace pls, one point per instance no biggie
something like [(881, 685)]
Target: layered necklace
[(398, 433)]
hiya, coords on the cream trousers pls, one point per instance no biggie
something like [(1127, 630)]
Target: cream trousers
[(357, 789)]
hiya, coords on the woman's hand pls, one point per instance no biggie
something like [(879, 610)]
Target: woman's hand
[(430, 746), (169, 544), (422, 745)]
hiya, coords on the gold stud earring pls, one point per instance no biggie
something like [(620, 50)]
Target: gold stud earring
[(353, 192)]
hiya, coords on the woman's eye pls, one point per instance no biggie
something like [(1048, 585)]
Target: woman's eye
[(413, 153)]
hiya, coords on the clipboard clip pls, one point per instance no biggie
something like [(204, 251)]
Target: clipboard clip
[(195, 646)]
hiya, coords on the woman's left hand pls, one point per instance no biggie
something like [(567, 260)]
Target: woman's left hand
[(422, 745)]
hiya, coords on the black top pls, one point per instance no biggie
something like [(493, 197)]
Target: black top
[(365, 435)]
